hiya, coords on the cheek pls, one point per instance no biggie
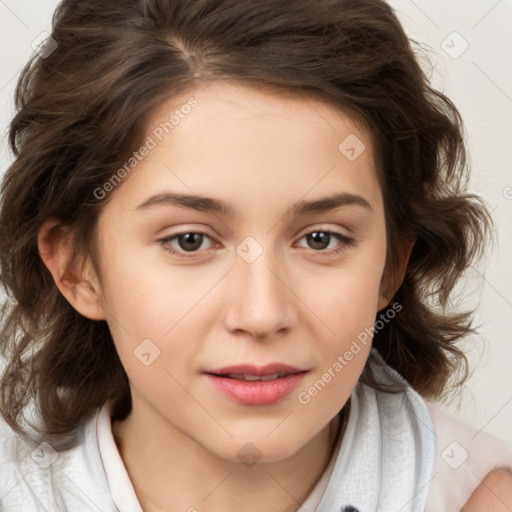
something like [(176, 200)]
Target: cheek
[(140, 292), (152, 310), (347, 307), (347, 300)]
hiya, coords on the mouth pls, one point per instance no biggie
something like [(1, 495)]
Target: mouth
[(259, 371), (248, 377), (256, 385)]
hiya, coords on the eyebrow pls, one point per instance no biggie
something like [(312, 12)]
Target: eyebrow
[(216, 206)]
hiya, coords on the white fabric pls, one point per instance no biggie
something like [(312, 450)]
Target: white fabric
[(121, 488), (385, 462), (31, 481), (386, 456)]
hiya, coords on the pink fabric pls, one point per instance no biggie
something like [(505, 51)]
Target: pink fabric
[(464, 456)]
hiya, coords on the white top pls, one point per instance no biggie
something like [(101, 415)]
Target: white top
[(398, 452)]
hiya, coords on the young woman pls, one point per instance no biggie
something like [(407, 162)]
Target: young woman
[(229, 238)]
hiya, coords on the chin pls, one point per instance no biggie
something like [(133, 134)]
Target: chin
[(257, 448)]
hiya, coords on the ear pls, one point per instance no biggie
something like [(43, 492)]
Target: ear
[(389, 286), (79, 285)]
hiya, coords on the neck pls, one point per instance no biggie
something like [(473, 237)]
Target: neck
[(177, 473)]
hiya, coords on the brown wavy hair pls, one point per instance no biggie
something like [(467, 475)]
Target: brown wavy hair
[(83, 110)]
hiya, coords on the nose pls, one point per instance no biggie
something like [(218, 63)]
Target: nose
[(260, 301)]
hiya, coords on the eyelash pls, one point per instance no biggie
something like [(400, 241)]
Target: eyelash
[(346, 242)]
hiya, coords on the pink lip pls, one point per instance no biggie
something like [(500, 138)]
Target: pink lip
[(256, 392), (251, 369)]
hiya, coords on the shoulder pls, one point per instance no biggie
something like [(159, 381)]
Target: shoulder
[(36, 474), (465, 456), (13, 453), (15, 463), (494, 493)]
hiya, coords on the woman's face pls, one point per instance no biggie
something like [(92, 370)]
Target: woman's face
[(248, 242)]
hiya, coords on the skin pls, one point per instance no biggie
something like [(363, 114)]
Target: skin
[(296, 303), (494, 494)]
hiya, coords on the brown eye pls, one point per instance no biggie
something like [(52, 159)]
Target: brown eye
[(182, 243), (190, 241), (328, 241), (319, 240)]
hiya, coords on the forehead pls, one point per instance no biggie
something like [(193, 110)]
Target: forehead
[(263, 107), (227, 138)]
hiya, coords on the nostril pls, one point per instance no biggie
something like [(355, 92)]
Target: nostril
[(349, 508)]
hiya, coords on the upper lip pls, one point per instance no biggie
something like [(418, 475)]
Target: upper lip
[(259, 371)]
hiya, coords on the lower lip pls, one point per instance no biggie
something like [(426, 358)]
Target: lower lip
[(257, 392)]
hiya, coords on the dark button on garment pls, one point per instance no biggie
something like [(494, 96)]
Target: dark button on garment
[(349, 508)]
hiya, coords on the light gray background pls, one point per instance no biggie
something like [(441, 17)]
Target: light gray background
[(479, 81)]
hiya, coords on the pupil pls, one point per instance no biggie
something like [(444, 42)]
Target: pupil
[(192, 241), (319, 239)]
